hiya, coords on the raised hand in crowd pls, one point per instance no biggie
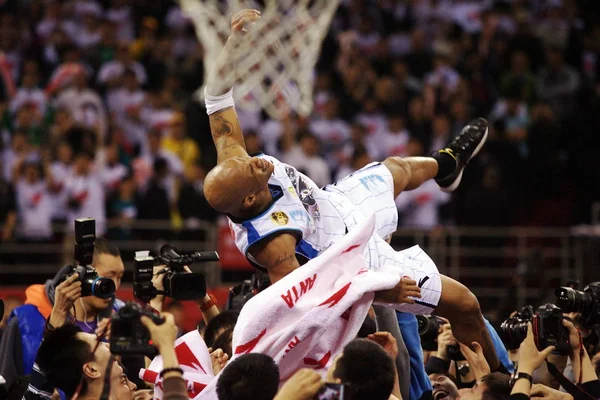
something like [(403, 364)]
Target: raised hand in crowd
[(582, 365), (219, 359), (388, 342), (477, 362), (164, 336), (403, 292), (530, 358), (303, 385), (65, 296), (547, 393)]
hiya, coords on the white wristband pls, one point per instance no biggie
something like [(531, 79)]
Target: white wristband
[(217, 103)]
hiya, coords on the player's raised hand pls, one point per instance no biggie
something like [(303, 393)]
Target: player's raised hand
[(241, 20)]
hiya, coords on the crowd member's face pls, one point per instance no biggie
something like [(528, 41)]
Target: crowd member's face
[(443, 387), (82, 165), (65, 153), (109, 266), (121, 388), (32, 174), (474, 393)]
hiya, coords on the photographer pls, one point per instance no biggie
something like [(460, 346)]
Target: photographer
[(79, 365), (53, 304)]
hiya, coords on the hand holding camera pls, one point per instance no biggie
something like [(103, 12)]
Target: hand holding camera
[(530, 358), (163, 334), (303, 385), (444, 340), (64, 298)]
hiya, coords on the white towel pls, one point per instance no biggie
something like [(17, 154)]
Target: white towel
[(195, 361), (305, 319)]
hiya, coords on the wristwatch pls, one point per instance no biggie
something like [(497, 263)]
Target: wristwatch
[(520, 375)]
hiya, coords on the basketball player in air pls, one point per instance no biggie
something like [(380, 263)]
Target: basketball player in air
[(280, 218)]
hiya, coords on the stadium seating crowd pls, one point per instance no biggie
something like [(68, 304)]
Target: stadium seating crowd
[(98, 116)]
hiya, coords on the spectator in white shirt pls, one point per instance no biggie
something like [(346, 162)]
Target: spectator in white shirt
[(309, 161), (334, 133), (111, 72), (125, 104), (20, 150), (89, 34), (119, 14), (29, 92), (111, 171), (85, 195), (34, 206), (59, 171), (393, 141), (419, 208), (85, 105)]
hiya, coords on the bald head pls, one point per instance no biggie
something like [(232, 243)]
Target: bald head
[(235, 184), (220, 188)]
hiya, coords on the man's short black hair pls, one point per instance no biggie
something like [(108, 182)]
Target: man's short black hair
[(103, 246), (253, 376), (223, 321), (497, 386), (367, 370), (61, 358)]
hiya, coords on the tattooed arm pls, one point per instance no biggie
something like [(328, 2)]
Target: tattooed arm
[(277, 254), (224, 124), (227, 134)]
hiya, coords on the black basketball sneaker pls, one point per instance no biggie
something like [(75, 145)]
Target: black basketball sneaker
[(463, 148)]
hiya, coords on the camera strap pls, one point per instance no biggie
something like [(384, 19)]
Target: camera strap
[(574, 390), (107, 374)]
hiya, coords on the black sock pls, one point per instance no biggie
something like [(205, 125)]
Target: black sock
[(446, 164)]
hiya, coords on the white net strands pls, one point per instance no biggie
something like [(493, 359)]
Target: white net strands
[(273, 63)]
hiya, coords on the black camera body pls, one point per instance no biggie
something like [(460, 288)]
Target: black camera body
[(178, 284), (429, 326), (547, 327), (241, 293), (586, 302), (128, 335), (91, 283)]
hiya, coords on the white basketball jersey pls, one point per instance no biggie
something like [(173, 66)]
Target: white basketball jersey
[(299, 207)]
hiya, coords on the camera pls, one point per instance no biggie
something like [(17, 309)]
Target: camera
[(547, 327), (91, 283), (586, 302), (178, 284), (429, 327), (128, 334), (240, 294), (331, 391)]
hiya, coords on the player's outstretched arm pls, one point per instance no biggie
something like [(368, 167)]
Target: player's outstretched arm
[(224, 124)]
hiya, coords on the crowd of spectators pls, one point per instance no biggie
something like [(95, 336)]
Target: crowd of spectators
[(98, 117)]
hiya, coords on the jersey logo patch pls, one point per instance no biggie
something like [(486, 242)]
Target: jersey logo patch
[(280, 218)]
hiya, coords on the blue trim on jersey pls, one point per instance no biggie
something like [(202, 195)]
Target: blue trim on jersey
[(258, 238), (304, 248), (253, 235)]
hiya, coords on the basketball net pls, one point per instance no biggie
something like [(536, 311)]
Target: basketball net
[(274, 60)]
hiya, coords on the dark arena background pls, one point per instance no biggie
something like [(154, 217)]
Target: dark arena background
[(99, 119)]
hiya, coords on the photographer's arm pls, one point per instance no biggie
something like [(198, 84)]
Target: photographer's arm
[(583, 369), (208, 307), (164, 336), (64, 297)]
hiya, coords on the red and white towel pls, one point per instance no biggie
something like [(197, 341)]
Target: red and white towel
[(195, 361), (305, 319)]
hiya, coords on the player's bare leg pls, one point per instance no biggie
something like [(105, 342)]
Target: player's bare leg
[(460, 306), (446, 166)]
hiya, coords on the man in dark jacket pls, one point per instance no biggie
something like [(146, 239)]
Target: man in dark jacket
[(25, 329)]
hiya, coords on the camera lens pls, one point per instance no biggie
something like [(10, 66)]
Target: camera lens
[(571, 300), (512, 332), (103, 288)]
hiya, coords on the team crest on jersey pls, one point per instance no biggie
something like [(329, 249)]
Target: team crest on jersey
[(280, 218)]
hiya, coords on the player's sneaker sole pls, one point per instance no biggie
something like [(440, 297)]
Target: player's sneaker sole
[(474, 134)]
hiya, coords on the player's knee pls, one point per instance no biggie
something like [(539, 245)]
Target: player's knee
[(401, 171)]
